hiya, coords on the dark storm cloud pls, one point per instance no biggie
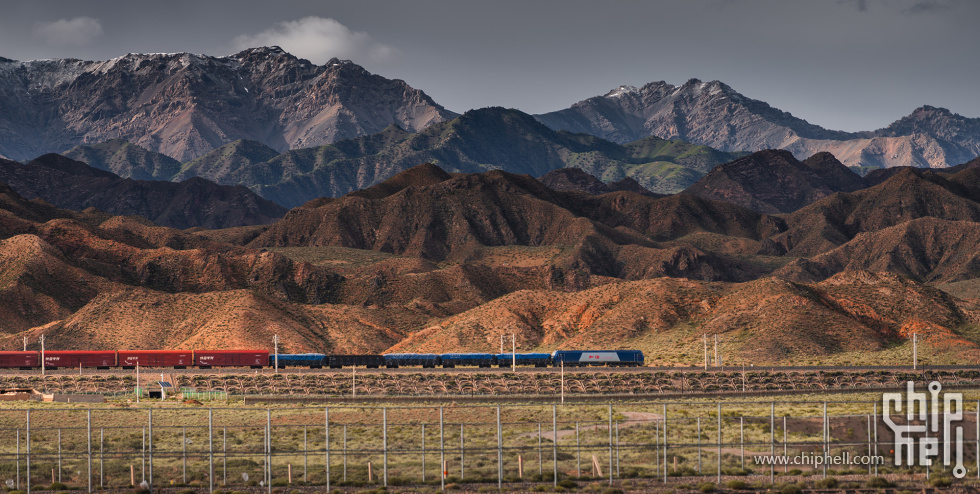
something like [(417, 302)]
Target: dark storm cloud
[(848, 64)]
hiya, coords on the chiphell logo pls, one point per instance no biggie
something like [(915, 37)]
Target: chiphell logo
[(924, 412)]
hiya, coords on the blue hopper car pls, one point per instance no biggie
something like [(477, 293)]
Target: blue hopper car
[(450, 360), (424, 360), (311, 360), (525, 359)]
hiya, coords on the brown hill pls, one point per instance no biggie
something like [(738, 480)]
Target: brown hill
[(56, 261), (774, 181), (764, 321), (193, 203), (908, 195), (926, 249), (449, 219), (143, 318)]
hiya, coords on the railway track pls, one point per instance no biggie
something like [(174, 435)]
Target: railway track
[(149, 371)]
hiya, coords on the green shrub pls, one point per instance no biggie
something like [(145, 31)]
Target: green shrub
[(941, 482), (58, 486), (738, 485), (827, 483), (612, 490), (878, 483), (567, 483), (706, 487), (790, 489), (795, 471)]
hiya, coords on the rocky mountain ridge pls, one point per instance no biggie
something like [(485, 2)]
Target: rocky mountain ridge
[(478, 140), (715, 115), (184, 105), (194, 203)]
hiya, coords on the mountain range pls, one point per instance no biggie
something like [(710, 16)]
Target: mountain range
[(478, 140), (184, 105), (713, 114)]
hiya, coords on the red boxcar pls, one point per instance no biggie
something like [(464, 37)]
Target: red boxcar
[(19, 360), (74, 358), (255, 359), (179, 359)]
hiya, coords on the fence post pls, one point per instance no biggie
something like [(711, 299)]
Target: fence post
[(210, 449), (554, 428), (183, 451), (500, 453), (719, 443), (772, 441), (90, 450), (825, 434), (785, 445), (617, 449), (442, 450), (423, 453), (102, 458), (326, 444), (384, 426), (59, 452), (142, 455), (268, 437), (610, 446), (150, 443), (28, 452), (876, 437), (665, 442), (462, 464), (306, 453), (345, 452), (578, 453), (540, 457), (869, 443), (224, 455), (17, 483)]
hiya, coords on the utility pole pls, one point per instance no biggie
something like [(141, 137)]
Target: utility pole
[(716, 349), (513, 353), (705, 351), (915, 351), (25, 343), (501, 343), (275, 343), (138, 390), (42, 354), (562, 385)]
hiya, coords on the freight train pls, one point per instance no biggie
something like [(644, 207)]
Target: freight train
[(257, 359)]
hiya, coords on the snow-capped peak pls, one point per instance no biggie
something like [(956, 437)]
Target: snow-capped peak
[(621, 90)]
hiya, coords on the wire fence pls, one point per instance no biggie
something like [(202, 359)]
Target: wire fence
[(120, 447)]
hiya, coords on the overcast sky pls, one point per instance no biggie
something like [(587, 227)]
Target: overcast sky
[(847, 64)]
